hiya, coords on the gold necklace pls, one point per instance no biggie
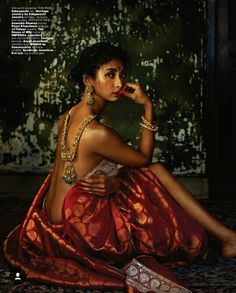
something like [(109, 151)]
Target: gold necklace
[(69, 175)]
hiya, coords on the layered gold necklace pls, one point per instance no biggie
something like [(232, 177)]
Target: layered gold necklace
[(69, 175)]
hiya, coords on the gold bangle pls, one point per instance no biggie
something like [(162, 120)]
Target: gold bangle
[(147, 124), (153, 129), (145, 121)]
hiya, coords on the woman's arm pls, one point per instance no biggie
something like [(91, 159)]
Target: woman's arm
[(147, 138), (105, 142)]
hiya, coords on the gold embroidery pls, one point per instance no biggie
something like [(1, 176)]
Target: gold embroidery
[(144, 279), (81, 228), (94, 229), (150, 220), (138, 207), (122, 234), (142, 218), (68, 213), (78, 210), (30, 225), (32, 235)]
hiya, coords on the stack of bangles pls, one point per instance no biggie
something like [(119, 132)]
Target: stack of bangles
[(148, 125)]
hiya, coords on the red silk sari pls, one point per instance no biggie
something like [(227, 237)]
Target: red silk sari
[(98, 244)]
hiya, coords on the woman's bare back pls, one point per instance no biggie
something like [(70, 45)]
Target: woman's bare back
[(83, 163)]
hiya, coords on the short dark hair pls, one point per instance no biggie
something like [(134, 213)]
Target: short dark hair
[(93, 57)]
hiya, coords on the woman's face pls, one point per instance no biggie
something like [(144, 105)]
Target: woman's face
[(109, 80)]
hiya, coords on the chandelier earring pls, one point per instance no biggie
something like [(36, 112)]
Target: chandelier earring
[(89, 93)]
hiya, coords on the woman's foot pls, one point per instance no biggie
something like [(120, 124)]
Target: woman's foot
[(229, 245)]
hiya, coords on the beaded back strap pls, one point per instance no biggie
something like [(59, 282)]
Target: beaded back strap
[(69, 175)]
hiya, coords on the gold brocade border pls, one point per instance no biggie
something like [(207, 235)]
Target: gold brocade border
[(145, 280)]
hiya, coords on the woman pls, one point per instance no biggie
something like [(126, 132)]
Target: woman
[(77, 235)]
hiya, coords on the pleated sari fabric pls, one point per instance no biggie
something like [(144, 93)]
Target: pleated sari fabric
[(119, 241)]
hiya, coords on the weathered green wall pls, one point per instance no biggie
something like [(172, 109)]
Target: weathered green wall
[(166, 42)]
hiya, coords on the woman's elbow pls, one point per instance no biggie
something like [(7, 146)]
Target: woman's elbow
[(144, 161), (147, 161)]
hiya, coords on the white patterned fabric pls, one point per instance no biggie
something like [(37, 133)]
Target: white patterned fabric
[(143, 279), (105, 167)]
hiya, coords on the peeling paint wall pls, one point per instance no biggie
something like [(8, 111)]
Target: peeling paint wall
[(166, 42)]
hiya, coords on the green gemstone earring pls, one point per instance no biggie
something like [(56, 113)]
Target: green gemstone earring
[(89, 92)]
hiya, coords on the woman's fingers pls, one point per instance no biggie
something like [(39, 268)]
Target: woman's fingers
[(100, 185), (132, 84), (92, 184), (97, 188), (134, 91), (95, 185), (91, 181), (129, 89), (95, 191)]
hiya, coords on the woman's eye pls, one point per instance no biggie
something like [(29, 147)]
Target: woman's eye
[(123, 75), (111, 74)]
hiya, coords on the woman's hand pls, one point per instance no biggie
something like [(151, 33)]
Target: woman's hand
[(135, 92), (100, 185)]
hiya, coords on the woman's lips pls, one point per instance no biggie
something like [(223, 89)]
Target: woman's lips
[(124, 91), (119, 93)]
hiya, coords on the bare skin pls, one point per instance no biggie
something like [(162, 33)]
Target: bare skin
[(108, 86), (196, 210)]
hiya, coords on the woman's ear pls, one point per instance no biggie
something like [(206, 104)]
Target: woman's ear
[(87, 79)]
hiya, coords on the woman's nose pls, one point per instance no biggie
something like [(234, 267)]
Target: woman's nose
[(119, 82)]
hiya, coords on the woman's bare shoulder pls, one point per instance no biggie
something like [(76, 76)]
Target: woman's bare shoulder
[(98, 131), (60, 120)]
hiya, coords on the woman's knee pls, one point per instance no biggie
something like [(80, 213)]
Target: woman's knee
[(157, 168), (162, 173)]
